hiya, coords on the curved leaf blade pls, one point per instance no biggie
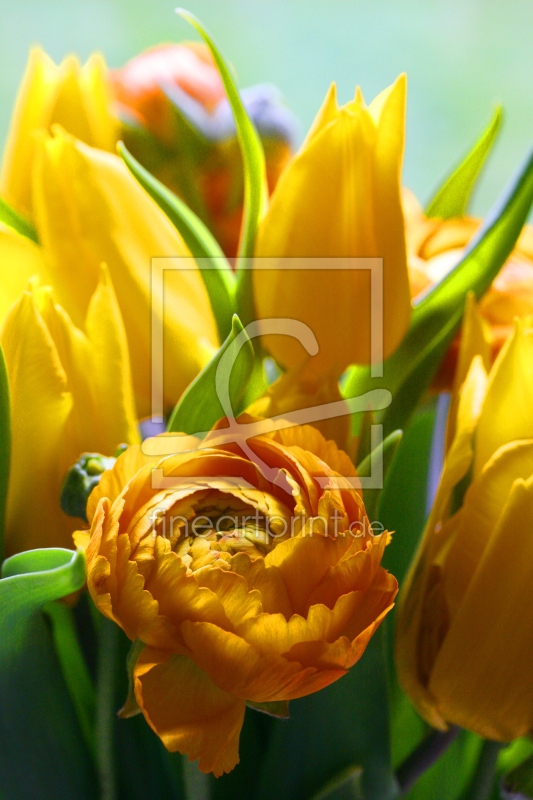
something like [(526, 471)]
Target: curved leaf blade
[(452, 198), (217, 275), (255, 185), (201, 405), (54, 760), (20, 224)]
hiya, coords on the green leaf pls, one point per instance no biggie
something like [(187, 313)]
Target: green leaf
[(19, 224), (437, 318), (255, 184), (217, 390), (74, 668), (452, 198), (5, 447), (43, 753), (216, 272), (131, 707), (342, 727), (518, 784), (383, 452)]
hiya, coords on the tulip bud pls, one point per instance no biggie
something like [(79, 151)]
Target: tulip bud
[(464, 643), (338, 198), (177, 121), (74, 96), (59, 377)]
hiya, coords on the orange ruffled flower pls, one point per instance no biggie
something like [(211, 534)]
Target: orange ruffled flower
[(275, 597)]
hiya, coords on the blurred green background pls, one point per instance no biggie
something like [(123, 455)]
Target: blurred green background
[(460, 56)]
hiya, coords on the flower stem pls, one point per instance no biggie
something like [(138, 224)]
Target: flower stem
[(105, 707), (424, 757), (483, 779)]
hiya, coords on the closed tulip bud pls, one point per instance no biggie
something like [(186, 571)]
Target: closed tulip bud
[(74, 96), (434, 247), (464, 644), (178, 123), (70, 392), (241, 589), (89, 209), (339, 198)]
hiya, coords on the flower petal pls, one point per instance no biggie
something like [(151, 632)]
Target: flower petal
[(488, 635), (187, 711)]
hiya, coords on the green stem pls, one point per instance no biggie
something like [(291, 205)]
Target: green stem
[(425, 755), (105, 706), (483, 779), (74, 669)]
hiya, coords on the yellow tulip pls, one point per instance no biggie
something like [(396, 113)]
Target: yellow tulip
[(76, 97), (339, 197), (70, 393), (241, 588), (464, 643), (89, 210)]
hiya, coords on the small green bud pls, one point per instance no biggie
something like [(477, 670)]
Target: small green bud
[(81, 480)]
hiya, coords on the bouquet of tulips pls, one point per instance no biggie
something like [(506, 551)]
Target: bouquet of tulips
[(266, 448)]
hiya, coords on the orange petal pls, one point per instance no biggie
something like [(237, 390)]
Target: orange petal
[(237, 667), (303, 562), (187, 711), (272, 633)]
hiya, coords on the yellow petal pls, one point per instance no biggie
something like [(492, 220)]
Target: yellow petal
[(111, 375), (479, 515), (32, 111), (20, 260), (339, 197), (327, 113), (474, 342), (511, 388), (90, 210), (482, 677), (41, 407), (187, 711)]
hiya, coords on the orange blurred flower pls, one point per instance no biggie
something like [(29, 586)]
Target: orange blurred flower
[(177, 122), (434, 246), (249, 571)]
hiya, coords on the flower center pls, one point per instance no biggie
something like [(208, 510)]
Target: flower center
[(224, 524)]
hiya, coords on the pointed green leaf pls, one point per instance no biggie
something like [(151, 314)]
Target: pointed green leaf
[(16, 221), (43, 753), (255, 184), (218, 389), (5, 446), (452, 198), (385, 452), (437, 317), (216, 272), (131, 707)]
